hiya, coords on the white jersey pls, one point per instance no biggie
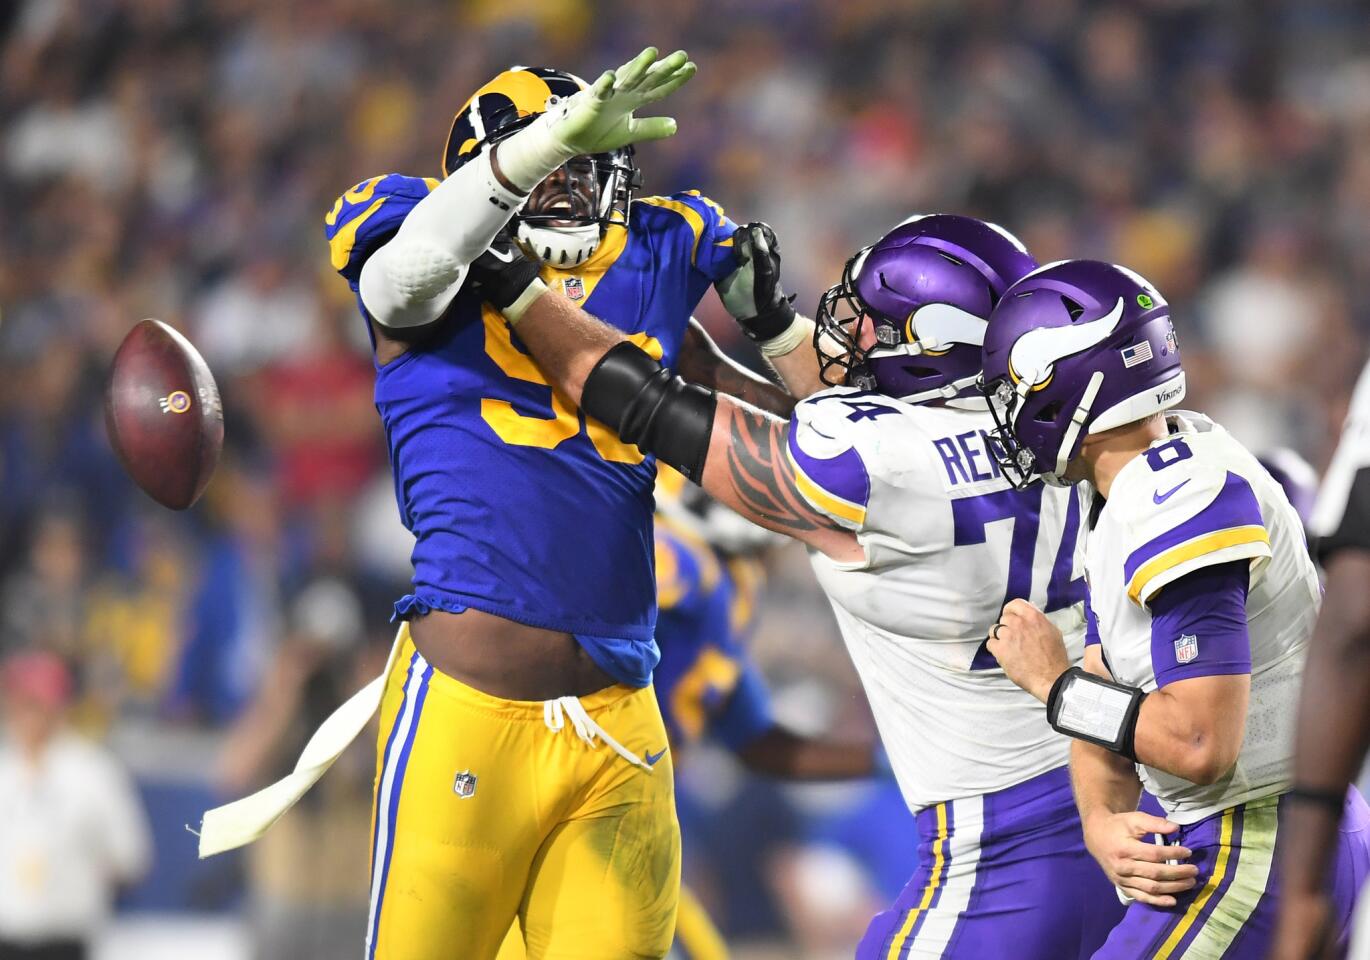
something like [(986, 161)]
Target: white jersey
[(947, 541), (1197, 499)]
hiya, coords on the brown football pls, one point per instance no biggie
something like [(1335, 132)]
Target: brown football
[(163, 414)]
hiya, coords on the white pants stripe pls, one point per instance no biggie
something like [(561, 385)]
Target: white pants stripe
[(963, 863), (390, 783)]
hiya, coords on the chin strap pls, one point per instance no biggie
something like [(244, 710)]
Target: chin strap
[(1077, 422)]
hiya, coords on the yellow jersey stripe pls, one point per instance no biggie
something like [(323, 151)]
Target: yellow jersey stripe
[(690, 214), (824, 500), (1215, 880), (340, 247), (1184, 552), (934, 881)]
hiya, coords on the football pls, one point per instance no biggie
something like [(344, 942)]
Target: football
[(163, 414)]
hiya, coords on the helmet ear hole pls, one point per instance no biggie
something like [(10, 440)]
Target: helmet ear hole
[(1074, 309), (1049, 413)]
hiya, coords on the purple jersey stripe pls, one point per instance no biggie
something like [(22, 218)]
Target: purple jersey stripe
[(844, 476), (1234, 506)]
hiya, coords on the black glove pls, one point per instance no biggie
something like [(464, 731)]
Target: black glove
[(752, 292), (503, 272)]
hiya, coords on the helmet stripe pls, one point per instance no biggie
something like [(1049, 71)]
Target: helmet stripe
[(523, 88)]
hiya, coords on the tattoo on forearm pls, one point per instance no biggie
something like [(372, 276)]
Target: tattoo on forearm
[(761, 475)]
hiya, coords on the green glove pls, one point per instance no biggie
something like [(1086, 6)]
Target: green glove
[(601, 118), (597, 119)]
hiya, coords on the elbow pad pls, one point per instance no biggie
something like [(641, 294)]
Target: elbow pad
[(409, 283), (651, 407), (421, 270)]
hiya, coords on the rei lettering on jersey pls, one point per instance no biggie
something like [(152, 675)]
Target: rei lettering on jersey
[(967, 458)]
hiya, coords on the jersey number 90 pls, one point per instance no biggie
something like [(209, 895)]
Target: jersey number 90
[(526, 430)]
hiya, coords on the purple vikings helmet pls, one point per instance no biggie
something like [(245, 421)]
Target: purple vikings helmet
[(1074, 348), (927, 288)]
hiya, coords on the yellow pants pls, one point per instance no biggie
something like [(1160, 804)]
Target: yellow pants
[(483, 815), (696, 937)]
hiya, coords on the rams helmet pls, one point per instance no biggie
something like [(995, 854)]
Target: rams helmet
[(563, 221)]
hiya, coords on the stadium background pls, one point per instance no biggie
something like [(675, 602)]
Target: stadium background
[(174, 158)]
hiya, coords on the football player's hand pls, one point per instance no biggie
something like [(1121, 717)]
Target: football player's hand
[(1134, 865), (752, 292), (1029, 647), (601, 118), (504, 273)]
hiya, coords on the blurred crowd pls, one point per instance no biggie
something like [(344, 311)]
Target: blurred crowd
[(175, 158)]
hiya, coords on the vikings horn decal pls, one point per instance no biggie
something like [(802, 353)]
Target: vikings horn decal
[(1036, 352)]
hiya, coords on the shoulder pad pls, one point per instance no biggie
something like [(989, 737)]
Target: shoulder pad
[(703, 221), (367, 216), (1184, 510), (833, 448)]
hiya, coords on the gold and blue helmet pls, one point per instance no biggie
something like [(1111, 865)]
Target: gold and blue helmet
[(565, 217)]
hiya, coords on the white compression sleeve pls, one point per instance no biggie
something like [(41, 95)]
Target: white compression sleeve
[(411, 279)]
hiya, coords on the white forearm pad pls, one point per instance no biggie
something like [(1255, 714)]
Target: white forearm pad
[(798, 332), (410, 280), (535, 151), (464, 212)]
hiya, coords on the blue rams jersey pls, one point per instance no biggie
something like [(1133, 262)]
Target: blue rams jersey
[(520, 506), (705, 683)]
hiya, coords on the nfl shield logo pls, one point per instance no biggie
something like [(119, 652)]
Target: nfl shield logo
[(574, 288), (1186, 648), (465, 784)]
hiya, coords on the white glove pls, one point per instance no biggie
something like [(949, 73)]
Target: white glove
[(598, 119)]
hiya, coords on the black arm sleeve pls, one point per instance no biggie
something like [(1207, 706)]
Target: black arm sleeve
[(651, 407)]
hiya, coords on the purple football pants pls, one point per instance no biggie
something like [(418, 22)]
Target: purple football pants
[(1001, 875), (1230, 913)]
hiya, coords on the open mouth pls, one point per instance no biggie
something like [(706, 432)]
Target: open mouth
[(562, 211)]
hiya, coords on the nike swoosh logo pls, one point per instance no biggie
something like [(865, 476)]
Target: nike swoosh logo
[(652, 758), (507, 257), (1036, 352), (1159, 497)]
